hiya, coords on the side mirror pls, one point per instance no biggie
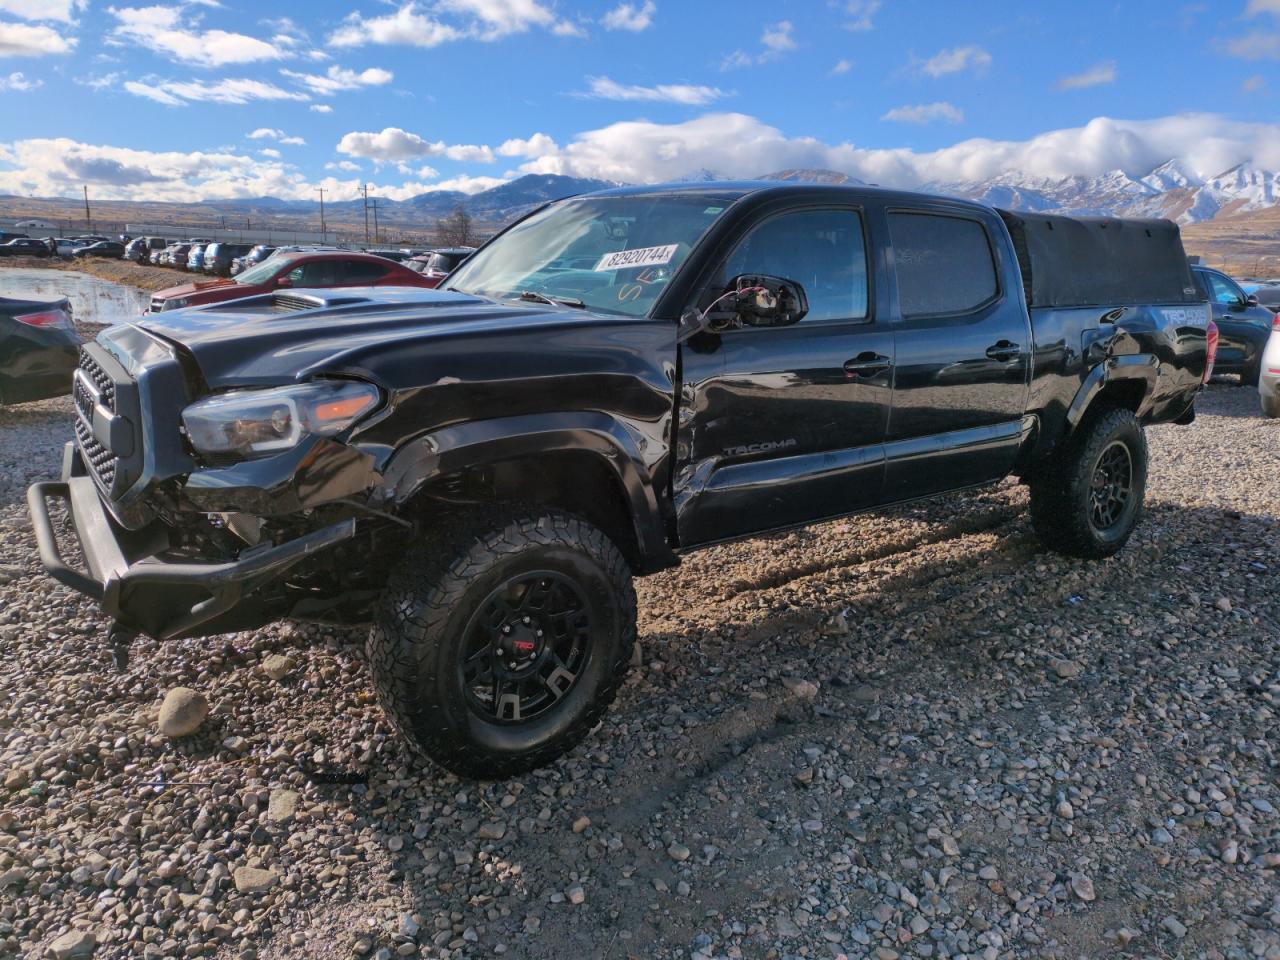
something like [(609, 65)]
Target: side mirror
[(749, 300), (1251, 300), (283, 282), (762, 301)]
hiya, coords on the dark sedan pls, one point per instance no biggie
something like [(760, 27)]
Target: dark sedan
[(103, 248), (39, 350), (1243, 325), (24, 247)]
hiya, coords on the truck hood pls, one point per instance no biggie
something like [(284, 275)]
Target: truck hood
[(281, 337)]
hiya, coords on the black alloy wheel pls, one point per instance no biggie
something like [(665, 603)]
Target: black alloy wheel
[(1111, 487), (526, 646)]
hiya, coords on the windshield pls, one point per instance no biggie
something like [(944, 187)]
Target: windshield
[(261, 273), (613, 254)]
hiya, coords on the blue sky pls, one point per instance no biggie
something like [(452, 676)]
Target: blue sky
[(227, 98)]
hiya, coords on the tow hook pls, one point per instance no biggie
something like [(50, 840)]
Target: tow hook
[(119, 639)]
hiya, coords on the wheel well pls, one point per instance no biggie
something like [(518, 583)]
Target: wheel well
[(574, 481), (1128, 394)]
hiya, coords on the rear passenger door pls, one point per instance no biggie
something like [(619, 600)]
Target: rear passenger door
[(363, 273), (963, 339)]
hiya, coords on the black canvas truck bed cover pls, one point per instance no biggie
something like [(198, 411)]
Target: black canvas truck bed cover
[(1092, 261)]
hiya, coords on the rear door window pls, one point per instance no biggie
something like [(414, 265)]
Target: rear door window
[(944, 264), (363, 271)]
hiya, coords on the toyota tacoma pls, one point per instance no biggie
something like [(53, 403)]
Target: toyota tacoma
[(479, 471)]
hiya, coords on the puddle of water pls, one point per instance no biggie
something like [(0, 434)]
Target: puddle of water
[(93, 300)]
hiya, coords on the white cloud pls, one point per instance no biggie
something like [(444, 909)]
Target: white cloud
[(627, 16), (346, 165), (446, 21), (271, 152), (776, 39), (955, 60), (1256, 7), (539, 145), (1259, 45), (568, 28), (467, 184), (161, 30), (1254, 83), (17, 81), (178, 93), (104, 82), (62, 11), (861, 13), (842, 67), (741, 145), (926, 113), (393, 145), (24, 40), (320, 108), (338, 80), (1095, 76), (602, 88), (273, 133)]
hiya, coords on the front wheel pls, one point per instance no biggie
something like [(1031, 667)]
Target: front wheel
[(498, 646), (1087, 502)]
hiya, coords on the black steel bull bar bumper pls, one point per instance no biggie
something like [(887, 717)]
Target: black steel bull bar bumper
[(159, 598)]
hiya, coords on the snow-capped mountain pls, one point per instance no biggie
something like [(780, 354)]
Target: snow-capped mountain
[(1170, 190)]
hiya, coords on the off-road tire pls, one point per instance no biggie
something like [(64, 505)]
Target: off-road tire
[(421, 628), (1250, 375), (1061, 505)]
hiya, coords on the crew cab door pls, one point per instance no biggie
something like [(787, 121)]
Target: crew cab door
[(963, 338), (784, 425)]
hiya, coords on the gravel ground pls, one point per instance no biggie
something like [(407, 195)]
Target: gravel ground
[(912, 734)]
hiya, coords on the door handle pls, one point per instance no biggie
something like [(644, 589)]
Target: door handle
[(866, 364), (1004, 350)]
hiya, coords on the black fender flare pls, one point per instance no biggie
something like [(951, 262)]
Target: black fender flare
[(481, 443), (1140, 367)]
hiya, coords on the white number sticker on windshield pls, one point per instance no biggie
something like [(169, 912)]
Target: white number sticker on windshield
[(639, 257)]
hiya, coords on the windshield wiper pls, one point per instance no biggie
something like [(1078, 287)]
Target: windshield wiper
[(535, 297)]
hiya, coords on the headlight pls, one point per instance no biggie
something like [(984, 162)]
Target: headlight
[(254, 423)]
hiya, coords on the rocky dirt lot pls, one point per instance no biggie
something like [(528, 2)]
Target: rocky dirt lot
[(911, 734)]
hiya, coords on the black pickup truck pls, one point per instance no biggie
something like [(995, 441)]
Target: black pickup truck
[(480, 470)]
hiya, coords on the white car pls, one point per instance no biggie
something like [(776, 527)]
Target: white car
[(36, 225), (1269, 372)]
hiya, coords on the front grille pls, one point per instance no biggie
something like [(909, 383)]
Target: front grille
[(101, 461), (97, 457), (104, 383), (157, 304)]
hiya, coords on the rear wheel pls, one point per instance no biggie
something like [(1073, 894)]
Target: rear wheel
[(1271, 405), (1088, 500), (497, 648), (1252, 371)]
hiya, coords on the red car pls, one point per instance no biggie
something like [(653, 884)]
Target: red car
[(319, 269)]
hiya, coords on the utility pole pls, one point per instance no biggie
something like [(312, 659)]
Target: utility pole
[(376, 235), (323, 231), (366, 214), (88, 220)]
